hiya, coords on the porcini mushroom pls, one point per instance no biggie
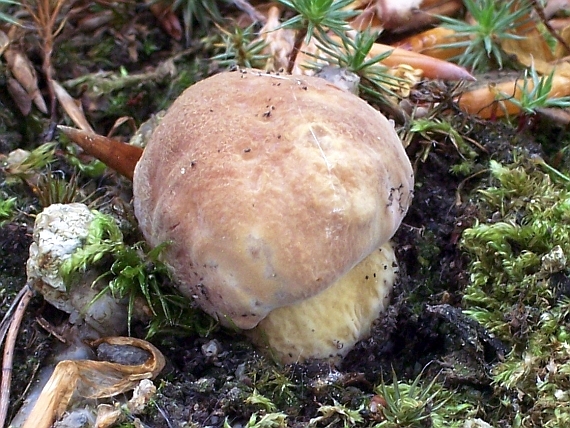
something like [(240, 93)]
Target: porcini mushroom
[(271, 189)]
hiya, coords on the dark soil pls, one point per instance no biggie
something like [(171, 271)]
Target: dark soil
[(424, 326)]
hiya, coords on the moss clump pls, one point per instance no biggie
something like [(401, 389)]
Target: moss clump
[(7, 207), (517, 289), (417, 405), (135, 273)]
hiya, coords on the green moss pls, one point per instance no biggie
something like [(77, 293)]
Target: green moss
[(419, 404), (518, 263), (511, 254), (7, 207), (278, 386), (136, 274)]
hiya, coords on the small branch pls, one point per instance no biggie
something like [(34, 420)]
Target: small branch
[(22, 301), (45, 17), (540, 11), (299, 37)]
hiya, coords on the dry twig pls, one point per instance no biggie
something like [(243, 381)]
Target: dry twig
[(45, 14), (11, 325), (540, 12)]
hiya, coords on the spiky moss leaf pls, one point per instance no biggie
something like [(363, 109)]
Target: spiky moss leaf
[(517, 260), (422, 404), (7, 207), (492, 21), (531, 218), (135, 273)]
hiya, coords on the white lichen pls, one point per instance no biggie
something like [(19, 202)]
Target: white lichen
[(59, 230)]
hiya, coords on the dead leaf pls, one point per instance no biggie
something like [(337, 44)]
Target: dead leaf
[(560, 49), (279, 41), (493, 100), (23, 71), (108, 415), (121, 157), (121, 121), (72, 107), (20, 96), (428, 42), (167, 19), (92, 379), (553, 6), (534, 52), (532, 47), (400, 17), (94, 21), (4, 42)]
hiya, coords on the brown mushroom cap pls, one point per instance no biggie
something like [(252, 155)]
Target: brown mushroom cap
[(269, 188)]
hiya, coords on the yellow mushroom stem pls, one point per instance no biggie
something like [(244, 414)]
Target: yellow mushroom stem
[(329, 324)]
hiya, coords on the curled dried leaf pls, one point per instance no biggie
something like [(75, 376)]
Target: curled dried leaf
[(167, 18), (92, 379)]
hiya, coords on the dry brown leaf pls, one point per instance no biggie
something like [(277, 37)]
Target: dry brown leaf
[(531, 47), (19, 96), (493, 100), (564, 35), (121, 157), (427, 43), (279, 41), (553, 6), (167, 18), (92, 379), (4, 42), (94, 21), (23, 71), (533, 51), (558, 24), (72, 107)]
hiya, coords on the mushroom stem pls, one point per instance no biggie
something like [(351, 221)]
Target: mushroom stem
[(115, 154), (328, 325)]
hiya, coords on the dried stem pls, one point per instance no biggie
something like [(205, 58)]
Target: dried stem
[(299, 37), (540, 12), (12, 325), (45, 14)]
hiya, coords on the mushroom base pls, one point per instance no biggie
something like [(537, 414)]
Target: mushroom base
[(328, 325)]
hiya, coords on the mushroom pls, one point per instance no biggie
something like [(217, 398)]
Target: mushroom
[(329, 324), (278, 195)]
